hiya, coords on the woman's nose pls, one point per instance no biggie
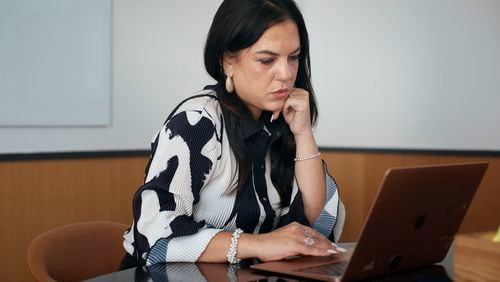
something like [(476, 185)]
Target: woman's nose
[(285, 70)]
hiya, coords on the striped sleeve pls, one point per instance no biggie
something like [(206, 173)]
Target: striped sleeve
[(186, 150), (331, 220)]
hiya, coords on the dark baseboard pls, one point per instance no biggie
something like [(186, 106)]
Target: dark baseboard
[(145, 153), (73, 155), (441, 152)]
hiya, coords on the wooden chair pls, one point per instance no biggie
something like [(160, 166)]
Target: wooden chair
[(77, 251)]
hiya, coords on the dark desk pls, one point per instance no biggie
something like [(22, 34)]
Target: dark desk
[(194, 272)]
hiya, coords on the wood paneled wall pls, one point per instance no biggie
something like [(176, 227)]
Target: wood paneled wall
[(359, 175), (37, 195)]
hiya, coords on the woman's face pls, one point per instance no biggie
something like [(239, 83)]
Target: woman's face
[(264, 73)]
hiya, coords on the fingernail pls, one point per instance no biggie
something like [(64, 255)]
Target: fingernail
[(335, 245), (332, 251), (342, 250), (272, 118)]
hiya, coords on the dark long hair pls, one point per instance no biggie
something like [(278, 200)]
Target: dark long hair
[(237, 25)]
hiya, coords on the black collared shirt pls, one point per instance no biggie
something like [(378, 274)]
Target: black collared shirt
[(259, 136)]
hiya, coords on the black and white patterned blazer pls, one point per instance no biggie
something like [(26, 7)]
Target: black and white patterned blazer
[(184, 201)]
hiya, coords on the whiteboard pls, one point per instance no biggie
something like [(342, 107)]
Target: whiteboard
[(55, 63), (413, 74)]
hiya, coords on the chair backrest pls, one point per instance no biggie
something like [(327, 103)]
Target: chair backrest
[(77, 251)]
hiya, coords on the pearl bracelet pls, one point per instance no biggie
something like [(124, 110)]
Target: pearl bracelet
[(233, 248), (307, 158)]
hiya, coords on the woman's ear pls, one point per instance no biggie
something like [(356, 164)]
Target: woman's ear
[(228, 62)]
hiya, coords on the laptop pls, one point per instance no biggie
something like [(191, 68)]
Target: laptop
[(412, 222)]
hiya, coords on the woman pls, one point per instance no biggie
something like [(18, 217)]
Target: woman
[(235, 171)]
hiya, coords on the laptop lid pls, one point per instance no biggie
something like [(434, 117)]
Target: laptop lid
[(411, 223)]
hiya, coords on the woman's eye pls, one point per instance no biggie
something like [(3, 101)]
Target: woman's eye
[(294, 58), (266, 61)]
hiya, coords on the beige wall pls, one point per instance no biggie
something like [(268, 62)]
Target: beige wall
[(38, 195)]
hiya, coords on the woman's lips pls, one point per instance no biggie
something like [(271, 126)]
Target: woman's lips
[(281, 94)]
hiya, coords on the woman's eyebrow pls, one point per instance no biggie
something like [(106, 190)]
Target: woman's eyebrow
[(267, 52)]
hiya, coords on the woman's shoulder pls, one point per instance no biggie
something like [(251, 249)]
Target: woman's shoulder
[(205, 103)]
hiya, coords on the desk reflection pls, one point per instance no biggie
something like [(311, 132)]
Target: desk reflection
[(224, 272), (228, 273), (191, 272), (202, 272)]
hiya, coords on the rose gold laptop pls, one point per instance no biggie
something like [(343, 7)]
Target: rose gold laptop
[(412, 221)]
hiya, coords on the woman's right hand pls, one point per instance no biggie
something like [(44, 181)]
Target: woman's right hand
[(287, 241)]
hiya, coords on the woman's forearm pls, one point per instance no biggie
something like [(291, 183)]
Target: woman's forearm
[(310, 176), (218, 247), (278, 244)]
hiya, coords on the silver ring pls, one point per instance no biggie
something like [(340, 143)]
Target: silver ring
[(309, 240)]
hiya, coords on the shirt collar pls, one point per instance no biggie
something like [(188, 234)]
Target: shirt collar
[(251, 126)]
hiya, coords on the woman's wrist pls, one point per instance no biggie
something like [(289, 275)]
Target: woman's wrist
[(306, 146), (247, 247), (305, 134), (232, 253), (305, 139)]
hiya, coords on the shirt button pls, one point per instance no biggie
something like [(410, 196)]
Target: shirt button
[(265, 199), (262, 166)]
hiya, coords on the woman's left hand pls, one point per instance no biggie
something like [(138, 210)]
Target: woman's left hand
[(296, 111)]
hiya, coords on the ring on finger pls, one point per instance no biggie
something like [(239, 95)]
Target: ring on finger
[(310, 239)]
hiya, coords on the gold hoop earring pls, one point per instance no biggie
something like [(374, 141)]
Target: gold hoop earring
[(229, 84)]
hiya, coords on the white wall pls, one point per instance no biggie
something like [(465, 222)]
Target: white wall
[(421, 74), (417, 74)]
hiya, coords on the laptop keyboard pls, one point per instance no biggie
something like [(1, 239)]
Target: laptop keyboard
[(333, 269)]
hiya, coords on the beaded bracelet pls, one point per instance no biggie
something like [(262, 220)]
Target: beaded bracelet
[(307, 158), (233, 248)]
